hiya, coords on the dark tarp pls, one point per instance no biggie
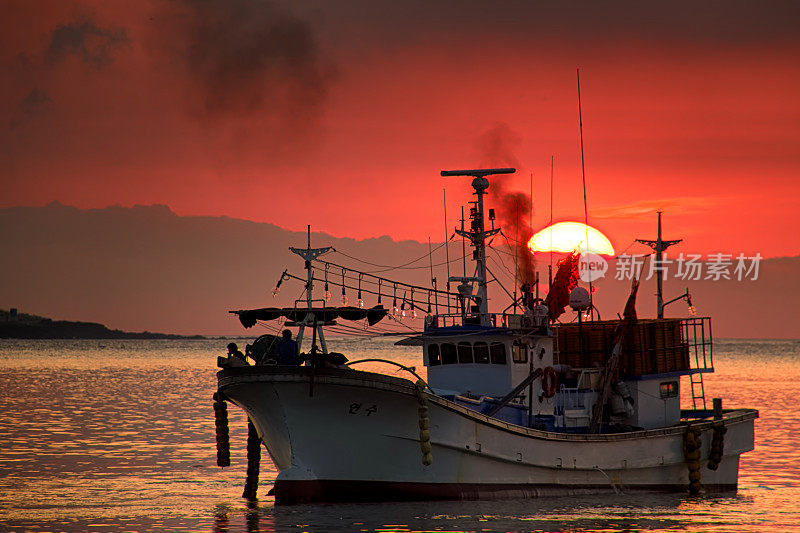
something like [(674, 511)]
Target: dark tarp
[(248, 317)]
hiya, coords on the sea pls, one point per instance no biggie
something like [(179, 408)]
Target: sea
[(118, 435)]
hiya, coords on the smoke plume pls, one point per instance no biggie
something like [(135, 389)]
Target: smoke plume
[(497, 148), (247, 59), (83, 38)]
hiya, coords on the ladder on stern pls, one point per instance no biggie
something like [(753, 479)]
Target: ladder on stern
[(698, 392)]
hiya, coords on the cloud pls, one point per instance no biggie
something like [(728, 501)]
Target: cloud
[(86, 40), (245, 57), (34, 102), (711, 22), (643, 209)]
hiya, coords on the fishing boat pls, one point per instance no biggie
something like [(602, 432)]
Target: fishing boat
[(515, 404)]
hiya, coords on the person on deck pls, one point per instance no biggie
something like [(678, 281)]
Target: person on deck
[(235, 356), (288, 350)]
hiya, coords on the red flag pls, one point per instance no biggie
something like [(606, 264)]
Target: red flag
[(565, 280)]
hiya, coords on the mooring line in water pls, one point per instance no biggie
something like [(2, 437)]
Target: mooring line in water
[(613, 486)]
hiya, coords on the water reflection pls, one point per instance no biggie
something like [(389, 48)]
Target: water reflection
[(600, 513), (119, 435)]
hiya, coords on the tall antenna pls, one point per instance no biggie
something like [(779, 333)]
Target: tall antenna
[(516, 259), (530, 228), (446, 239), (530, 211), (550, 270), (433, 279), (583, 177), (463, 246)]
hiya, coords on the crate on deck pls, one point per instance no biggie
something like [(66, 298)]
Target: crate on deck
[(652, 346)]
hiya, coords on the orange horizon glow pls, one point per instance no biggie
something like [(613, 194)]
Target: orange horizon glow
[(182, 104)]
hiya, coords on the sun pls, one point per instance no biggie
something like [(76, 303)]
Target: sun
[(566, 237)]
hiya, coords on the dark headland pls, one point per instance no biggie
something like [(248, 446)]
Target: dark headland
[(14, 325)]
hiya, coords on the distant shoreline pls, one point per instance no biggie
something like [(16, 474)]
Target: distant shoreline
[(24, 326)]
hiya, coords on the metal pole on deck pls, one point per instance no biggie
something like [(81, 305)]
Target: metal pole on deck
[(658, 246)]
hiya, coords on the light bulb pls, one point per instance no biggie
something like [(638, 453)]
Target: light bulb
[(394, 310), (692, 310), (275, 291), (360, 303), (403, 314), (327, 296), (414, 313), (344, 299)]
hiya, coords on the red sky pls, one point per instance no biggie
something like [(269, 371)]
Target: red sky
[(341, 115)]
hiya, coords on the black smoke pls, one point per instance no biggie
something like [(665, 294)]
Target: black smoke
[(86, 40), (497, 148), (246, 57)]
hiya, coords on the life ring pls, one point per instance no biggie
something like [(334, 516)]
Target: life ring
[(549, 382)]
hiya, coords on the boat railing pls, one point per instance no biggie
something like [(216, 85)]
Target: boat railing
[(569, 398), (444, 320), (698, 340), (652, 346)]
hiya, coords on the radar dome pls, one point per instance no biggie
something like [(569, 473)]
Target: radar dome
[(579, 299)]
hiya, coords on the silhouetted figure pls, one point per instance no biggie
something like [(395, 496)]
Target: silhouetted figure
[(235, 356), (288, 350)]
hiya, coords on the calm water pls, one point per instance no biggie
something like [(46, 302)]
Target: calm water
[(119, 436)]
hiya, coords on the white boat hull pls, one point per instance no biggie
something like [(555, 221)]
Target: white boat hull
[(343, 435)]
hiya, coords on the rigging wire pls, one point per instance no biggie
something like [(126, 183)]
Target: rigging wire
[(499, 261), (404, 266), (450, 298), (347, 275)]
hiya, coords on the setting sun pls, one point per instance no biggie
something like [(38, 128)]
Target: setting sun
[(567, 236)]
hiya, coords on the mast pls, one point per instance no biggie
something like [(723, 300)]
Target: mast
[(478, 234), (659, 245), (309, 254), (585, 209)]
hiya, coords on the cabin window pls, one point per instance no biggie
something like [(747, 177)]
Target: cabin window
[(519, 352), (481, 350), (498, 353), (668, 389), (464, 352), (433, 355), (449, 354)]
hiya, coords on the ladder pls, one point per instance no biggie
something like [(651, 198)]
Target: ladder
[(698, 392)]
